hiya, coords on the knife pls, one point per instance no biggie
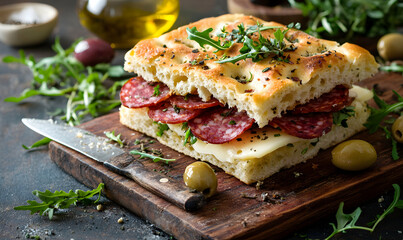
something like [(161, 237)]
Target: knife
[(117, 160)]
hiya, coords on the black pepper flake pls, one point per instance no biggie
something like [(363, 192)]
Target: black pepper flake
[(195, 50), (201, 62), (293, 70), (206, 68), (221, 74), (173, 56), (164, 46), (308, 42), (239, 139)]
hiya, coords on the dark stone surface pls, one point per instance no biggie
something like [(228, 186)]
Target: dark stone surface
[(23, 171)]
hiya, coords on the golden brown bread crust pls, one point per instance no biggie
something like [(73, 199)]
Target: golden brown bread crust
[(315, 67)]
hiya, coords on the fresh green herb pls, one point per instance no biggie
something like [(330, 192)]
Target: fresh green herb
[(277, 135), (388, 135), (64, 75), (377, 116), (184, 126), (340, 118), (304, 151), (152, 157), (232, 122), (177, 109), (347, 18), (157, 91), (393, 67), (193, 62), (250, 77), (264, 47), (266, 69), (203, 38), (113, 137), (250, 49), (348, 221), (189, 138), (162, 127), (58, 200), (42, 142)]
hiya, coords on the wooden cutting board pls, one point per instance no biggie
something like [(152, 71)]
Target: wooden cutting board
[(295, 197)]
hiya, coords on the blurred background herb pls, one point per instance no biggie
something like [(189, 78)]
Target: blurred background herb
[(345, 19), (85, 87)]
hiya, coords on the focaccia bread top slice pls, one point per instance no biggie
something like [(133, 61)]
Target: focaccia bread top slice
[(264, 89)]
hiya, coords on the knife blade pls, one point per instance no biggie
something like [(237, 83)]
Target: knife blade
[(118, 160)]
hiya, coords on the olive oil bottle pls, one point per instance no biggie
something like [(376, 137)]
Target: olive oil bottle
[(125, 22)]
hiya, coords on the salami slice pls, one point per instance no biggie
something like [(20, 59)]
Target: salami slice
[(138, 93), (192, 102), (333, 101), (166, 113), (307, 126), (220, 125)]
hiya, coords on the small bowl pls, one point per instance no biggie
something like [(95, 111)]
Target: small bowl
[(25, 24)]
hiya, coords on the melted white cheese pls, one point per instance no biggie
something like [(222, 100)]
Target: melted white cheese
[(258, 142)]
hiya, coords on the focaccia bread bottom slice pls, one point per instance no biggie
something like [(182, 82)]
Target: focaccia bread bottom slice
[(257, 169)]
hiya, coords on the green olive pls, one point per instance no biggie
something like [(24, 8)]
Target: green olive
[(390, 46), (354, 155), (201, 177), (397, 129)]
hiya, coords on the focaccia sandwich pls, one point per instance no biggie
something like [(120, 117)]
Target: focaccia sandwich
[(249, 96)]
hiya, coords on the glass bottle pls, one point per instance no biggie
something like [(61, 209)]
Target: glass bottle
[(125, 22)]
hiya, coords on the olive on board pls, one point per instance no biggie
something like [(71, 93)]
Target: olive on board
[(397, 129), (92, 51), (390, 46), (201, 177), (354, 155)]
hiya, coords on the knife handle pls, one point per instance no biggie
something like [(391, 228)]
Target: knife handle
[(163, 186)]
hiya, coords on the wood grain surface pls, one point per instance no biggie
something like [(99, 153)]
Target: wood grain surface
[(285, 202)]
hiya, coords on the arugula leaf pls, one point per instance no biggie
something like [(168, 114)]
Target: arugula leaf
[(152, 157), (58, 200), (348, 221), (42, 142), (63, 75), (377, 116), (203, 38), (113, 137), (388, 135), (189, 138), (340, 118), (157, 91), (162, 127), (250, 49), (393, 67), (263, 48)]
